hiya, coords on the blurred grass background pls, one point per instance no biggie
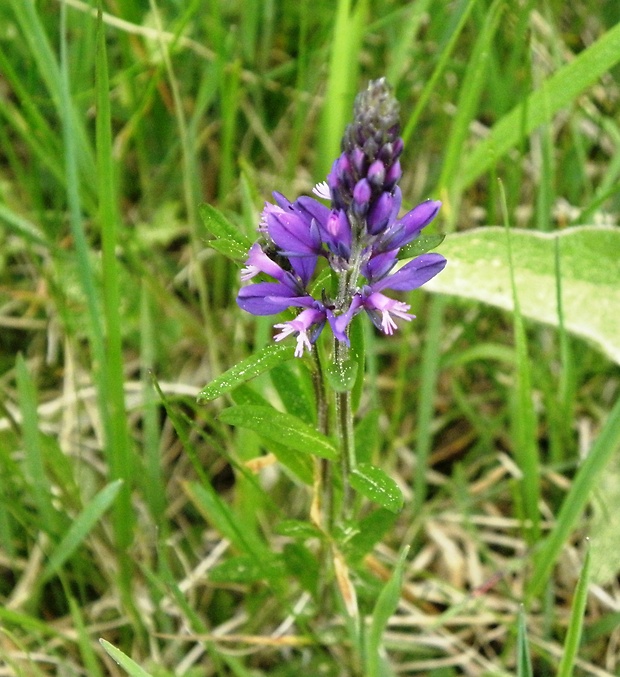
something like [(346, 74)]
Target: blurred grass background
[(117, 502)]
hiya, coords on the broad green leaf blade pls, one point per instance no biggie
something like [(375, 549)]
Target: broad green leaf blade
[(373, 483), (254, 365), (478, 269), (604, 525), (81, 527), (558, 92), (132, 668), (285, 429), (299, 464), (386, 605), (575, 627)]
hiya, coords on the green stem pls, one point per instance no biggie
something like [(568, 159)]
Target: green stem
[(323, 498), (345, 433)]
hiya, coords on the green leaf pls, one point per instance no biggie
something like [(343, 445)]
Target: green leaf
[(302, 564), (285, 429), (81, 527), (223, 230), (290, 386), (371, 530), (132, 668), (219, 226), (386, 605), (556, 93), (245, 569), (421, 245), (341, 377), (264, 360), (524, 660), (231, 250), (297, 529), (605, 446), (478, 269), (575, 626), (605, 524), (367, 436), (373, 483)]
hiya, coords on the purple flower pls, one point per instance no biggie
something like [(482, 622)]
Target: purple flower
[(306, 326), (380, 308), (358, 236)]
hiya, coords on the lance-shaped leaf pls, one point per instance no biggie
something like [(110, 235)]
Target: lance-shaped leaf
[(262, 361), (373, 483), (228, 240), (285, 429)]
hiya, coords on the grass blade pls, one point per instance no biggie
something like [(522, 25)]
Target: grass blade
[(575, 626), (131, 667), (606, 445), (555, 93), (81, 527)]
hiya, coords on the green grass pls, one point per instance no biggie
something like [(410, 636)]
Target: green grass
[(177, 533)]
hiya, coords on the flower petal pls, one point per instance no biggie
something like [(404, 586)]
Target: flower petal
[(406, 229), (413, 274), (270, 298)]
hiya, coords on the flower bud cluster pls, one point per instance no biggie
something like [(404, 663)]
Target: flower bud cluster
[(359, 235)]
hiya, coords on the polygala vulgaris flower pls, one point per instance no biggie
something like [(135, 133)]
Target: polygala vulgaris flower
[(359, 236)]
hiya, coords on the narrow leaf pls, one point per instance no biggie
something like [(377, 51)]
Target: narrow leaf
[(386, 605), (285, 429), (421, 245), (373, 483), (132, 668), (221, 228), (558, 92), (254, 365), (81, 527), (606, 445), (524, 660), (245, 569), (575, 627)]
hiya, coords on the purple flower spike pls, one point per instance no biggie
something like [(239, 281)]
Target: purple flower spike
[(359, 236)]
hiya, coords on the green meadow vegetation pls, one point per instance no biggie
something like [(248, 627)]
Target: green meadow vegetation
[(148, 527)]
